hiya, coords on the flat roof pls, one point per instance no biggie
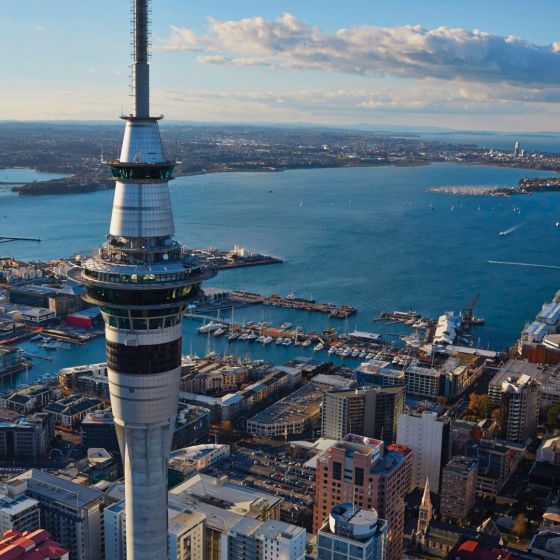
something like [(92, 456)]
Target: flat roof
[(58, 489)]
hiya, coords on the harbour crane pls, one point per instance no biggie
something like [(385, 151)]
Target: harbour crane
[(468, 317)]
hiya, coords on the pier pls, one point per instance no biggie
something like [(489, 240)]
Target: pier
[(291, 302)]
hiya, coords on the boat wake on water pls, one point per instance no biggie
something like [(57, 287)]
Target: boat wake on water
[(531, 265), (510, 230)]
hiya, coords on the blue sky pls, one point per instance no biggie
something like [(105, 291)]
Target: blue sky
[(450, 63)]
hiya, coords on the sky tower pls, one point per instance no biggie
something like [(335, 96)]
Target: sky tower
[(141, 279)]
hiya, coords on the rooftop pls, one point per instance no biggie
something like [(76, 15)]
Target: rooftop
[(226, 495), (57, 489)]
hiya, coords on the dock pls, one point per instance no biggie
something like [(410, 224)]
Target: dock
[(237, 257), (291, 302)]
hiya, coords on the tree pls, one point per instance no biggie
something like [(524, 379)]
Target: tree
[(553, 416), (480, 405)]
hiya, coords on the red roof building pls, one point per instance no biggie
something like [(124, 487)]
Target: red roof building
[(473, 550), (31, 545)]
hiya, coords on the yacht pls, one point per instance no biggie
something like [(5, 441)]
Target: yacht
[(279, 341), (347, 352), (252, 336), (267, 340), (318, 347), (287, 342), (218, 332), (285, 326), (306, 343), (233, 336)]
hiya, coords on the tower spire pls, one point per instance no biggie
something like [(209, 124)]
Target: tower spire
[(425, 512), (140, 56)]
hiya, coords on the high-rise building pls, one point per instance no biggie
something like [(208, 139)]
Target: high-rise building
[(458, 487), (185, 536), (142, 279), (371, 412), (428, 437), (364, 472), (19, 513), (352, 534), (520, 409), (71, 513)]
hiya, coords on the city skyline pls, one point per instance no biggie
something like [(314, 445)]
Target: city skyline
[(481, 66)]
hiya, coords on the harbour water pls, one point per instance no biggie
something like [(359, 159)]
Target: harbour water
[(369, 237)]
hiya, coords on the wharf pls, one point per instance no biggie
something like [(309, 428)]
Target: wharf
[(398, 316), (71, 337), (236, 258), (291, 302)]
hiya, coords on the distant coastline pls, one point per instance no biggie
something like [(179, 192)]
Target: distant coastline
[(77, 184)]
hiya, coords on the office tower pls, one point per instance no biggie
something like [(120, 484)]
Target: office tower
[(352, 533), (366, 473), (371, 412), (19, 513), (428, 437), (516, 148), (520, 409), (458, 487), (71, 513), (141, 279)]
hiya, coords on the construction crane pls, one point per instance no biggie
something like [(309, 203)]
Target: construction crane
[(9, 239), (468, 317)]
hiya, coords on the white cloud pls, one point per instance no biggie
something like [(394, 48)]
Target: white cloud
[(406, 51)]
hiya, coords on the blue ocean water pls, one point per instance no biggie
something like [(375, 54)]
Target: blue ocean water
[(370, 237)]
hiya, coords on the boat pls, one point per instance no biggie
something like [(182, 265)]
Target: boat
[(218, 332), (306, 343), (369, 357), (287, 342), (355, 353), (362, 354), (332, 350), (233, 336), (252, 336), (318, 347), (267, 340), (347, 352), (279, 341), (260, 339), (285, 326), (244, 336)]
